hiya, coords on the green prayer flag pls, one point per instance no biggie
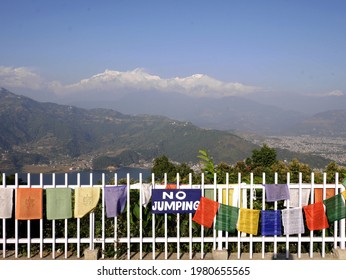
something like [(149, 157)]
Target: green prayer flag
[(344, 182), (59, 203), (227, 218), (335, 208)]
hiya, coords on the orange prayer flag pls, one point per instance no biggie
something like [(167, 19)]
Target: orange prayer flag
[(319, 194), (171, 186), (29, 204), (206, 212), (315, 215)]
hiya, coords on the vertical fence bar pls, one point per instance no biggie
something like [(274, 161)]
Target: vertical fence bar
[(178, 224), (227, 202), (16, 221), (103, 216), (28, 223), (335, 222), (91, 219), (166, 234), (202, 227), (312, 201), (324, 230), (3, 223), (287, 207), (214, 230), (239, 204), (276, 208), (140, 218), (153, 222), (219, 232), (263, 208), (66, 223), (190, 222), (41, 220), (300, 205), (251, 207), (78, 220), (53, 221), (342, 226), (128, 218), (116, 223)]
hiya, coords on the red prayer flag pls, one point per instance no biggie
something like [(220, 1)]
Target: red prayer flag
[(315, 215), (206, 212)]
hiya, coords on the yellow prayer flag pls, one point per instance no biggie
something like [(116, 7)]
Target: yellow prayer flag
[(248, 221), (86, 199)]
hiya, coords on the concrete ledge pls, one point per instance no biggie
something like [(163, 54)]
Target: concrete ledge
[(220, 254), (91, 254), (339, 254)]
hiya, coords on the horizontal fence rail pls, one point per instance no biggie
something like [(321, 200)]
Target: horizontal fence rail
[(139, 231)]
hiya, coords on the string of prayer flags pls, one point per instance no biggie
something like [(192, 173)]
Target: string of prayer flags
[(276, 192), (115, 200), (146, 194), (248, 221), (335, 208), (206, 212), (271, 222), (59, 203), (86, 199), (315, 216), (319, 194), (6, 203), (294, 197), (292, 220), (29, 204), (227, 218)]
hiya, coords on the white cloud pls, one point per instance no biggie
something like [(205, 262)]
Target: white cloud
[(20, 77), (335, 92)]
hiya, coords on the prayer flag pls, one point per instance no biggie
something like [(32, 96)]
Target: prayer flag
[(292, 220), (230, 196), (315, 216), (6, 203), (335, 208), (319, 194), (86, 199), (206, 212), (59, 203), (227, 218), (294, 197), (276, 192), (29, 204), (146, 194), (344, 194), (270, 222), (209, 193), (171, 186), (115, 200), (248, 220), (344, 182)]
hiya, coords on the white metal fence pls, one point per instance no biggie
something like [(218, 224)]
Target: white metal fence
[(121, 234)]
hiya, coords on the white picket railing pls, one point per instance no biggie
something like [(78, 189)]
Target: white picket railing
[(125, 237)]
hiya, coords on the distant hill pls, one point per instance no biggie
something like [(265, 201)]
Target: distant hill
[(230, 113), (36, 133), (329, 123)]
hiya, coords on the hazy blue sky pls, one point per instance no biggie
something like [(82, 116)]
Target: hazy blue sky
[(294, 46)]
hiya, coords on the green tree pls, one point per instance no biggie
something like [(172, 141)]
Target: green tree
[(264, 157), (208, 165), (161, 166)]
